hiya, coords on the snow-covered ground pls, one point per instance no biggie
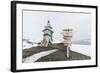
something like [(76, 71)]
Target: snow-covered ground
[(83, 49), (57, 41), (75, 46), (27, 45), (80, 48), (37, 56)]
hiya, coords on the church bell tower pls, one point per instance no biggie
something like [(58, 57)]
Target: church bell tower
[(47, 35)]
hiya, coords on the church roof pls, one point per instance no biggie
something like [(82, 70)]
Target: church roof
[(47, 29), (46, 34)]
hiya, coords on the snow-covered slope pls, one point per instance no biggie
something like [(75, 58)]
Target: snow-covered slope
[(27, 45), (81, 48), (37, 56), (84, 49)]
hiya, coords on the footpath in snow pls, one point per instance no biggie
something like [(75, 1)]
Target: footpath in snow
[(37, 56)]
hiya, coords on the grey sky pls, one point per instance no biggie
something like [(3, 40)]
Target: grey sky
[(34, 22)]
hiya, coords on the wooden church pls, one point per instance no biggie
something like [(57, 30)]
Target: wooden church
[(47, 35)]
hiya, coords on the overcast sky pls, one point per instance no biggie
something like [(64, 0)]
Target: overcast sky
[(34, 22)]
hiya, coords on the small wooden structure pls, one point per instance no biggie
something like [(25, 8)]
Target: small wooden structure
[(47, 36), (67, 35)]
